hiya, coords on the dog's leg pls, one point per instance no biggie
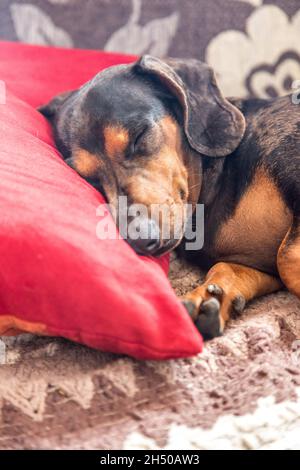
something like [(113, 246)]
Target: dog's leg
[(223, 295), (288, 258)]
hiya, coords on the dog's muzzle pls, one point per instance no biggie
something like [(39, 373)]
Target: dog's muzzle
[(145, 237)]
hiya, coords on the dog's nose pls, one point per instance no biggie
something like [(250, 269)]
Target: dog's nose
[(147, 239)]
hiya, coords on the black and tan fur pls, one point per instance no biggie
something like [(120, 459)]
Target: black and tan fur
[(161, 132)]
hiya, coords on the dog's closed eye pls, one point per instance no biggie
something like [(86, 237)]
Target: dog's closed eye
[(146, 141), (139, 139)]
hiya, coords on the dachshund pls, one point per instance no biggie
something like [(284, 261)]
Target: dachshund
[(160, 131)]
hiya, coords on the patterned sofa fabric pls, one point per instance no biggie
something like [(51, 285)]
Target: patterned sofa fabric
[(252, 44)]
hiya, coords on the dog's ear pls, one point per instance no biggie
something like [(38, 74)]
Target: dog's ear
[(213, 126), (51, 109)]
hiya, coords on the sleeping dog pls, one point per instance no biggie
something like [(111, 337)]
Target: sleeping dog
[(162, 132)]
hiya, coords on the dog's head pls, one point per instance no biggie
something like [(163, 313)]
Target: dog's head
[(140, 130)]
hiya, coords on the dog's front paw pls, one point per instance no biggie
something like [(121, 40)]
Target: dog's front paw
[(210, 307), (206, 318)]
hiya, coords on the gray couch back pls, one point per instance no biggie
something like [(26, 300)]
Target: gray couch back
[(253, 45)]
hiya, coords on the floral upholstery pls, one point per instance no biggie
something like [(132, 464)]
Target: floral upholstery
[(252, 44)]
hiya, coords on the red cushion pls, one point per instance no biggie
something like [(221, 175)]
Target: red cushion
[(56, 277), (36, 73)]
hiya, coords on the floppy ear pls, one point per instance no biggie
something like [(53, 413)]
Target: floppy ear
[(212, 125), (51, 109)]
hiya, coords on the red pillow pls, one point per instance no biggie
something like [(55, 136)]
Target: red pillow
[(56, 277)]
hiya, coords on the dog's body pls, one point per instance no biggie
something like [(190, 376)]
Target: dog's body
[(240, 158), (248, 204)]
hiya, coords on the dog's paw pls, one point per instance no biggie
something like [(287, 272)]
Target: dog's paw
[(209, 307), (206, 318)]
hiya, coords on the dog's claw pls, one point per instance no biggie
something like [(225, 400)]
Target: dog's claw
[(208, 322), (214, 289), (238, 304), (210, 307), (206, 318)]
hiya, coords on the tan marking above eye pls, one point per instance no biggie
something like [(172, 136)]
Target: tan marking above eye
[(116, 141), (86, 163)]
